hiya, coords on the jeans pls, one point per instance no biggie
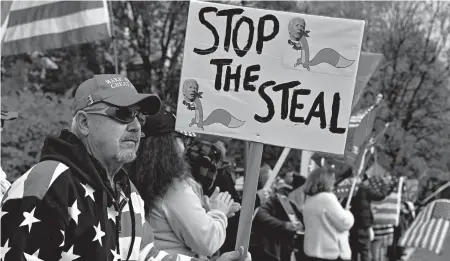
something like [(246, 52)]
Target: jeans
[(360, 244)]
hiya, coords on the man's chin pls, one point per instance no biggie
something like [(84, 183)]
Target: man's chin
[(126, 156)]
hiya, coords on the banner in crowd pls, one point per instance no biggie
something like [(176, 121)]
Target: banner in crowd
[(28, 26), (279, 78)]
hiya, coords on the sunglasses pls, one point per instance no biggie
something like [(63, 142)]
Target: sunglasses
[(119, 114)]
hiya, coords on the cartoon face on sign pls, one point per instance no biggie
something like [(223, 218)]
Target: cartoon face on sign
[(297, 28), (192, 102), (190, 90), (299, 43)]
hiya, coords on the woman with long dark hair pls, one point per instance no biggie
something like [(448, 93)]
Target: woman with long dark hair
[(173, 200)]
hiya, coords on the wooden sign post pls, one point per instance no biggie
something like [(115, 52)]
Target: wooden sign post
[(249, 194)]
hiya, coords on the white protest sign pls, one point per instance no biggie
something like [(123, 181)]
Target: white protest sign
[(273, 77)]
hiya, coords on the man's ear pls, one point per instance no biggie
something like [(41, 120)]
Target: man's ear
[(82, 123)]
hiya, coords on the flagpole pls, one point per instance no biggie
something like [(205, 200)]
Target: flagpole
[(113, 37), (360, 170), (276, 169), (363, 156), (434, 194)]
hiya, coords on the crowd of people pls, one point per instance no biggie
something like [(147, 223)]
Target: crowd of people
[(123, 184)]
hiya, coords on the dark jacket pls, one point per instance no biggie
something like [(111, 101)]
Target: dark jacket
[(72, 212), (270, 238), (360, 207)]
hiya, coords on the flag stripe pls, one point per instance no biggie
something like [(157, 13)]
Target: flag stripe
[(387, 211), (443, 234), (410, 233), (422, 228), (50, 41), (19, 5), (56, 25), (434, 237), (6, 6), (427, 235), (51, 10)]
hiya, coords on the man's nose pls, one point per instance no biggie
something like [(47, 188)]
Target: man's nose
[(134, 126)]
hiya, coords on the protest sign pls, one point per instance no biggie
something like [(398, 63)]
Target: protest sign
[(265, 76)]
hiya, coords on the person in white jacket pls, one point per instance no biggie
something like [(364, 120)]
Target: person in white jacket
[(327, 223), (182, 221)]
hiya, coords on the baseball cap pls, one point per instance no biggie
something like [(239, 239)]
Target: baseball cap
[(162, 123), (116, 90), (204, 153)]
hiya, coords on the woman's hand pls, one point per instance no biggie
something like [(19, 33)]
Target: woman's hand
[(221, 202), (235, 206)]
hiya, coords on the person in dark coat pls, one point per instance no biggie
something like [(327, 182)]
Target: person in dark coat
[(360, 232), (225, 182), (278, 227)]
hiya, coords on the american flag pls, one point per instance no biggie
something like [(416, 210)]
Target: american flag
[(387, 211), (342, 190), (359, 131), (28, 26), (430, 229)]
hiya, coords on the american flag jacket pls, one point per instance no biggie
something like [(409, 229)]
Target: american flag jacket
[(64, 209)]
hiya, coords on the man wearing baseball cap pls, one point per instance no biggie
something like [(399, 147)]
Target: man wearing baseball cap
[(78, 203)]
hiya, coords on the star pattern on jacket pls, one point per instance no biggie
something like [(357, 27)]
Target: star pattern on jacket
[(116, 256), (38, 210), (4, 249), (74, 212), (89, 191), (98, 233), (69, 255), (29, 219), (33, 257), (112, 214)]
